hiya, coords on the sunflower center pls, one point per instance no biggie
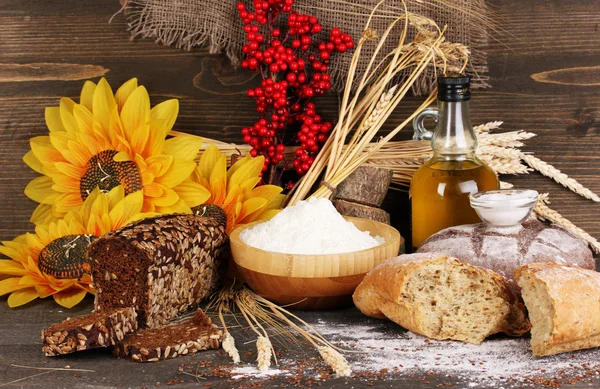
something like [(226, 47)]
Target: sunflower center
[(66, 257), (211, 211), (103, 172)]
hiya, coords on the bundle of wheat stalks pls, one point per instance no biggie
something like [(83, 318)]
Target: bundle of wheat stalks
[(262, 317)]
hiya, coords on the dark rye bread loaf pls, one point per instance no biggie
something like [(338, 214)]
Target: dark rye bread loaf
[(152, 345), (88, 332), (504, 249), (161, 265)]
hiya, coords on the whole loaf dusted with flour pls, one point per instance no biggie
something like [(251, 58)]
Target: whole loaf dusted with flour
[(161, 266), (504, 249)]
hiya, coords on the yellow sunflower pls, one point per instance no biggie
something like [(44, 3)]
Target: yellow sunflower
[(53, 261), (235, 189), (108, 140)]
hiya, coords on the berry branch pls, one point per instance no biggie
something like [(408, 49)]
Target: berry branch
[(294, 69)]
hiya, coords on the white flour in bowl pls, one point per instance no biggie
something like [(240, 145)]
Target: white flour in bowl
[(310, 227)]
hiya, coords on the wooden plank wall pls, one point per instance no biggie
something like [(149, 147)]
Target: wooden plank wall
[(544, 68)]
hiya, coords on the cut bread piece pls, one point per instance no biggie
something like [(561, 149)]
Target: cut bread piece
[(440, 297), (187, 337), (564, 306), (87, 332)]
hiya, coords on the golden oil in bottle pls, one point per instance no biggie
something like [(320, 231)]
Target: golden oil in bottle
[(440, 189)]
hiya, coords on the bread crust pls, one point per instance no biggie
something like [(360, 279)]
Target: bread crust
[(575, 306), (382, 294), (504, 249)]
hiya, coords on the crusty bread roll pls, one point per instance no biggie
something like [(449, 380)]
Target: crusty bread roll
[(440, 297), (564, 306)]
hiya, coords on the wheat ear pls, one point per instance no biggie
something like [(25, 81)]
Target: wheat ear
[(544, 212), (558, 176), (230, 349), (336, 361), (263, 346)]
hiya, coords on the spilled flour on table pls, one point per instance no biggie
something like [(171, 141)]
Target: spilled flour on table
[(252, 371), (503, 361)]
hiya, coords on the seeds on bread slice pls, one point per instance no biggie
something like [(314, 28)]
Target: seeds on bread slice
[(440, 297), (564, 306), (155, 344), (87, 332)]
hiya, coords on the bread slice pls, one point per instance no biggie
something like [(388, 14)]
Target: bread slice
[(564, 306), (156, 344), (440, 297), (87, 332)]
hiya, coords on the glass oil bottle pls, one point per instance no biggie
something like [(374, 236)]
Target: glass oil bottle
[(440, 189)]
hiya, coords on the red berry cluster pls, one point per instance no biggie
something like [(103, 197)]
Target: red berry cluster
[(294, 69)]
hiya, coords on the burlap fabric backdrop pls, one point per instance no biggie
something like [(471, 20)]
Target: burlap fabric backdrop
[(215, 23)]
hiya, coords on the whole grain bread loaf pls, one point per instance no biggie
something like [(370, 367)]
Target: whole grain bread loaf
[(564, 307), (87, 332), (162, 265), (504, 249), (440, 297), (156, 344)]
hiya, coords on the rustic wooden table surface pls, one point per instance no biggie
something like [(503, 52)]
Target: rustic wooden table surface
[(545, 74)]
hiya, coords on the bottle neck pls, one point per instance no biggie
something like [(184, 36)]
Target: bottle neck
[(454, 138)]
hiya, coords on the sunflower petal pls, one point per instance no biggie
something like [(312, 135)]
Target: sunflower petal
[(40, 190), (209, 159), (22, 297), (156, 142), (10, 285), (12, 268), (268, 192), (250, 206), (179, 207), (66, 115), (125, 91), (183, 146), (66, 202), (166, 111), (53, 120), (33, 162), (86, 97), (139, 138), (115, 195), (178, 172), (70, 170), (239, 163), (83, 117), (44, 151), (42, 215), (126, 209), (192, 193), (103, 102), (136, 111), (268, 214), (159, 164), (44, 290), (248, 170), (70, 297), (168, 198), (153, 190), (218, 180)]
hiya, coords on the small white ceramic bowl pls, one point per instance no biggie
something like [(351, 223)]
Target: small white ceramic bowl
[(505, 207)]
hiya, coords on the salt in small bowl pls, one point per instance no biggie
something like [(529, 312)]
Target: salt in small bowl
[(504, 207)]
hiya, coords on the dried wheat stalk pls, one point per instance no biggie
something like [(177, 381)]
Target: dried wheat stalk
[(558, 176), (261, 314), (363, 113), (544, 212)]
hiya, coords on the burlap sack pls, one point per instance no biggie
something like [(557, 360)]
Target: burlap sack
[(216, 24)]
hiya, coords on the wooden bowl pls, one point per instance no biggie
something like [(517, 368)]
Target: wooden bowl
[(312, 281)]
